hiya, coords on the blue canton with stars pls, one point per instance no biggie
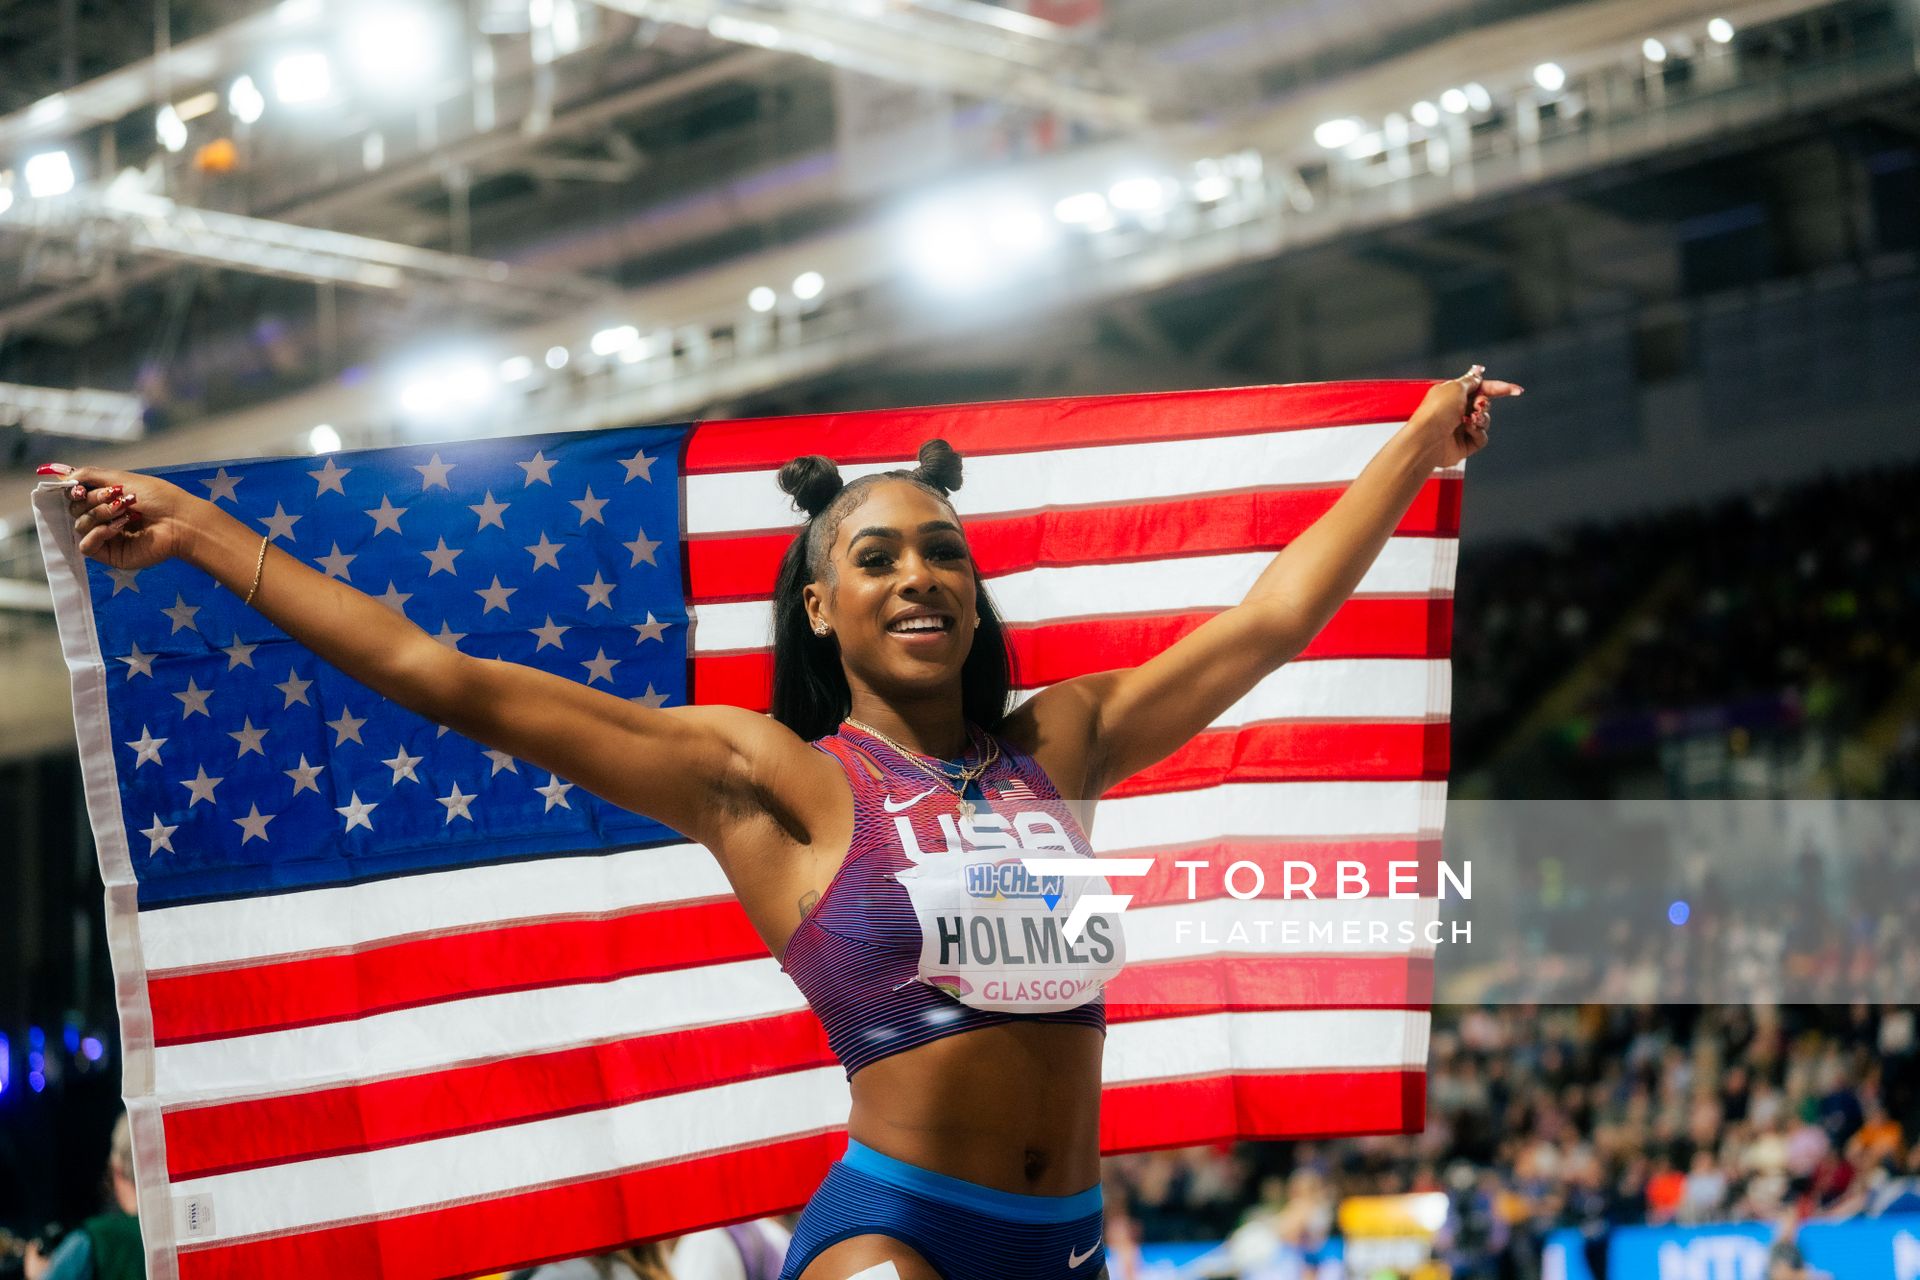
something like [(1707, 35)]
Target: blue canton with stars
[(247, 765)]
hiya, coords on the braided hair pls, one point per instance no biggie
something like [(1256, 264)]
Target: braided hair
[(810, 691)]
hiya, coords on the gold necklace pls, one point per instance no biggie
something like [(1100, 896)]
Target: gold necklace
[(969, 774)]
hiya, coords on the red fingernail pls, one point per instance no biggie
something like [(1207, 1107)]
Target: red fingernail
[(53, 469), (121, 504), (116, 490), (79, 491)]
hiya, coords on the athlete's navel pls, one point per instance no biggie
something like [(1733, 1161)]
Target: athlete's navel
[(1036, 1164)]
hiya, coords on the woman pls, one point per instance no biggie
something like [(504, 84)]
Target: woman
[(974, 1136)]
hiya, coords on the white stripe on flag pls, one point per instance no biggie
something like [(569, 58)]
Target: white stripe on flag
[(1312, 457)]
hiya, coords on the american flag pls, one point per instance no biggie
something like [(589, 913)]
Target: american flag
[(397, 1005)]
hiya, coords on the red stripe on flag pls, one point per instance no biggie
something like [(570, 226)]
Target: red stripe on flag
[(1363, 627), (1268, 983), (743, 566), (1253, 1107), (1028, 426), (600, 1214), (1298, 750), (375, 1114), (422, 970)]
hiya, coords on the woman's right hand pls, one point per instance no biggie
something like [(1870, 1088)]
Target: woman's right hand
[(126, 520)]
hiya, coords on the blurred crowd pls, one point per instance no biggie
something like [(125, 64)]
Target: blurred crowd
[(1586, 1118), (1777, 610)]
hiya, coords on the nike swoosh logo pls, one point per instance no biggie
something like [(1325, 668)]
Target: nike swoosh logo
[(1075, 1259), (888, 804)]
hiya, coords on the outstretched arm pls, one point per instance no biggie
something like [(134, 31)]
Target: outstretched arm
[(1131, 718), (690, 767)]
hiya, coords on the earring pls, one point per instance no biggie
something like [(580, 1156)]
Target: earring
[(821, 628), (976, 619)]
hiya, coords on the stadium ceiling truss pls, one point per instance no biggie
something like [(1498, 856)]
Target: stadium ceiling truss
[(138, 223)]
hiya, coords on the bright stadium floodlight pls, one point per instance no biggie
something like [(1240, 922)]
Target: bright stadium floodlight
[(1653, 50), (198, 105), (246, 101), (1454, 101), (1425, 114), (1087, 209), (610, 341), (170, 129), (1720, 31), (323, 439), (947, 251), (439, 388), (516, 369), (1138, 195), (48, 174), (395, 48), (809, 285), (303, 78), (1478, 98), (557, 357), (1335, 134), (762, 299), (1020, 229), (1550, 76)]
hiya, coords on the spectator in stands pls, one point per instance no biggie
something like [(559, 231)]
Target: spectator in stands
[(107, 1246)]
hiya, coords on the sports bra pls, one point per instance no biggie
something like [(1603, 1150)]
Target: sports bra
[(932, 926)]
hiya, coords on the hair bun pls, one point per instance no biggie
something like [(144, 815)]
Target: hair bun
[(812, 481), (939, 466)]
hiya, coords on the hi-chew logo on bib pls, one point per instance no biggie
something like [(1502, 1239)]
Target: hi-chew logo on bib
[(994, 933)]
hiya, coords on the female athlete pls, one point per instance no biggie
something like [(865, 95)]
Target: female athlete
[(973, 1148)]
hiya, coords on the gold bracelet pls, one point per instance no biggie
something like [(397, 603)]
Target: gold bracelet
[(258, 565)]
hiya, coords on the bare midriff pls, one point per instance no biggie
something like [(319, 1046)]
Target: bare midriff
[(1013, 1107)]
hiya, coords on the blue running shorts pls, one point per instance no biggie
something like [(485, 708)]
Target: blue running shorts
[(967, 1231)]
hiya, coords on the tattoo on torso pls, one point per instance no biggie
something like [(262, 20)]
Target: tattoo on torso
[(808, 902)]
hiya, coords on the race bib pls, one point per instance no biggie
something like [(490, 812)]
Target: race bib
[(992, 933)]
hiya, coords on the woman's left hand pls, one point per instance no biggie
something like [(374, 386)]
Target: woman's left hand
[(1454, 418)]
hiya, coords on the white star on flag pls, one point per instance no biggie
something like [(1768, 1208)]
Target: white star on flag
[(548, 635), (182, 614), (303, 777), (433, 474), (254, 825), (495, 596), (335, 563), (279, 524), (545, 554), (148, 747), (441, 558), (501, 760), (159, 836), (239, 653), (329, 477), (294, 688), (123, 580), (589, 507), (395, 599), (650, 698), (202, 787), (356, 813), (643, 548), (600, 667), (489, 512), (221, 486), (556, 792), (651, 629), (347, 727), (599, 591), (386, 516), (457, 804), (449, 637), (138, 663), (538, 468), (402, 765), (249, 739), (194, 700), (639, 467)]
